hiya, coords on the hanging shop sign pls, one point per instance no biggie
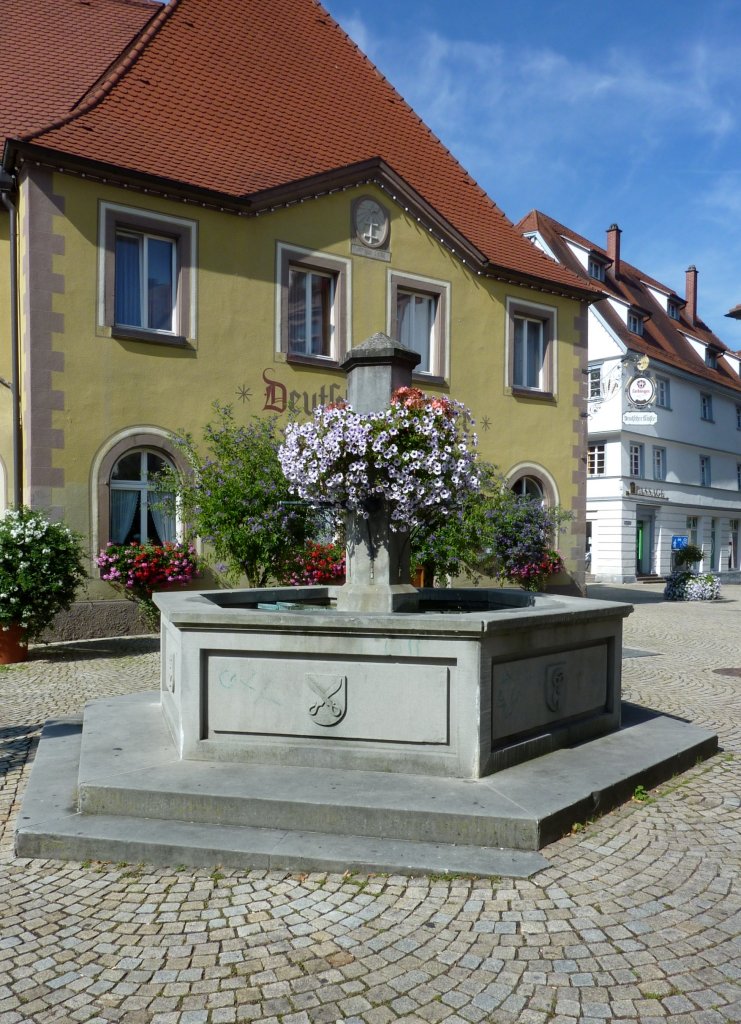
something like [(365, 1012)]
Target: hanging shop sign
[(634, 418), (641, 391)]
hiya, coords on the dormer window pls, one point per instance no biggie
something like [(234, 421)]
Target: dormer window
[(596, 269), (635, 322), (711, 358), (672, 309)]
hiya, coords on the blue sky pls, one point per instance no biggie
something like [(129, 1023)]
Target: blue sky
[(593, 113)]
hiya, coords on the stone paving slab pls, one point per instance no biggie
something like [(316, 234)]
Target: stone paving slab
[(636, 919)]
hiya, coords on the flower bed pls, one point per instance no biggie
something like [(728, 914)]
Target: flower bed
[(318, 564), (138, 570), (418, 456), (683, 585)]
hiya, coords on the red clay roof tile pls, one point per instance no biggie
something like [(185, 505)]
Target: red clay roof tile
[(52, 51), (242, 96), (664, 338)]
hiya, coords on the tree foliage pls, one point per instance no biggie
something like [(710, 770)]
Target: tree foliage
[(237, 498), (499, 533)]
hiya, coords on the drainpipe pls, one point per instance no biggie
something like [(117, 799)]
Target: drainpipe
[(7, 186)]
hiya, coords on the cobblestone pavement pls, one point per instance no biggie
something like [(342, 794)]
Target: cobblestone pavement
[(636, 919)]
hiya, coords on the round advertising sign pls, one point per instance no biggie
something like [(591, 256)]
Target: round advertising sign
[(641, 391)]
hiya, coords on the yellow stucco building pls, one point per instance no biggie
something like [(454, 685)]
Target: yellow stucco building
[(186, 234)]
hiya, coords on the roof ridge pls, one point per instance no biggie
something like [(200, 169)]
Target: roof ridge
[(414, 113), (115, 72)]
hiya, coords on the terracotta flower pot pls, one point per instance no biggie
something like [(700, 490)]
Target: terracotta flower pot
[(13, 644)]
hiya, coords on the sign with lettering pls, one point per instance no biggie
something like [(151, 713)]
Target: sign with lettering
[(641, 391), (633, 418), (679, 542), (279, 399)]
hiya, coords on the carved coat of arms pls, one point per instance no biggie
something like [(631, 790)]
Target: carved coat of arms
[(330, 706)]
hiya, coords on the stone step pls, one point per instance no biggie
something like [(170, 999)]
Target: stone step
[(115, 790), (50, 826)]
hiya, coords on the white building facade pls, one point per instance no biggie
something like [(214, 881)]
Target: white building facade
[(669, 469)]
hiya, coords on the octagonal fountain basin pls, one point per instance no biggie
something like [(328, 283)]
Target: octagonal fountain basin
[(472, 681)]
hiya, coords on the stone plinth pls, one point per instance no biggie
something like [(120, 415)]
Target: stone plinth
[(282, 677)]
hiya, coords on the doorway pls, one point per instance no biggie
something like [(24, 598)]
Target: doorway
[(643, 547)]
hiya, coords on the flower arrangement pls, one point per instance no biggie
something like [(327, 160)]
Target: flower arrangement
[(318, 564), (40, 570), (137, 570), (533, 575), (683, 585), (418, 456)]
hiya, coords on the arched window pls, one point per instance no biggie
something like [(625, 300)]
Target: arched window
[(529, 487), (135, 512)]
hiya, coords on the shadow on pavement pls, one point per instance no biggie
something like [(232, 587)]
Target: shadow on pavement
[(88, 650), (627, 593)]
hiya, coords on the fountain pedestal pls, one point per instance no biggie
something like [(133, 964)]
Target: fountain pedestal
[(377, 559)]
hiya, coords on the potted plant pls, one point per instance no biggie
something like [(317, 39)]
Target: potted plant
[(417, 457), (40, 571)]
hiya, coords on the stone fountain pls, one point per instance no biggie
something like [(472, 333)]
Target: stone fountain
[(370, 727), (377, 674)]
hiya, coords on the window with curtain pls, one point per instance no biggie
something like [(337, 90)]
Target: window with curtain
[(529, 487), (145, 280), (135, 513), (416, 315), (531, 348), (311, 317), (418, 319), (529, 353)]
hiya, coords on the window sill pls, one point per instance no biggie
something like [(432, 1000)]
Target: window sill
[(151, 337), (431, 379), (328, 361), (520, 392)]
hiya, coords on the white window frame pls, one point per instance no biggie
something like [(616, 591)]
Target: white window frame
[(659, 463), (706, 407), (144, 488), (547, 317), (635, 460), (663, 392), (326, 265), (595, 383), (114, 219), (596, 269), (143, 238), (706, 474), (427, 287), (635, 323), (596, 459), (672, 309)]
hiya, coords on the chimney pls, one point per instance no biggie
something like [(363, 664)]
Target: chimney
[(691, 294), (613, 247)]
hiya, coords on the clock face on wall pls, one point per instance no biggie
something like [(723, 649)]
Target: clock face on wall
[(371, 223)]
